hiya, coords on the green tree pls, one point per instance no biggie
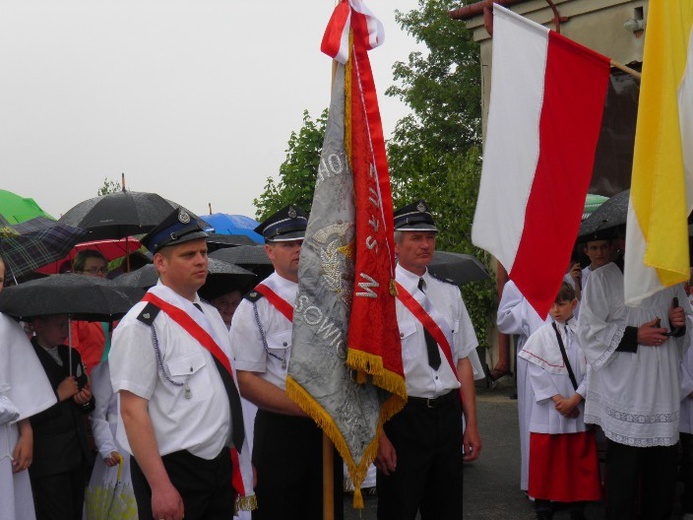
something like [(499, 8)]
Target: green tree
[(434, 153), (109, 186), (297, 173), (443, 89)]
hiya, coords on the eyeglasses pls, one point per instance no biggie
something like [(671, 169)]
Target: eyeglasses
[(96, 270)]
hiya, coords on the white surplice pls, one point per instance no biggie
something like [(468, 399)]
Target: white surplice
[(548, 376), (633, 396), (23, 381)]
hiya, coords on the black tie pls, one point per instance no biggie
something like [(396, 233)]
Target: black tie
[(431, 343), (238, 428)]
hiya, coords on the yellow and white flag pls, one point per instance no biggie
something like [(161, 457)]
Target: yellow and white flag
[(661, 195)]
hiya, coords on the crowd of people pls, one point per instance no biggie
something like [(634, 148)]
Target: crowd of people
[(182, 406), (143, 398), (596, 368)]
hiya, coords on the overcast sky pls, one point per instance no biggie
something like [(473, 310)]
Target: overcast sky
[(192, 99)]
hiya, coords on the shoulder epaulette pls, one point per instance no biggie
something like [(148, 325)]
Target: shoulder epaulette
[(148, 314), (441, 279), (253, 296)]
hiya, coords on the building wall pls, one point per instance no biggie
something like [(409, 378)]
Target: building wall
[(597, 24)]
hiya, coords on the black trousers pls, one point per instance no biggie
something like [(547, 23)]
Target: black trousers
[(428, 478), (686, 472), (204, 485), (644, 475), (59, 496), (287, 454)]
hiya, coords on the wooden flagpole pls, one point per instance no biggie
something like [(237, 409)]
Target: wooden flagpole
[(327, 478), (627, 69), (327, 445)]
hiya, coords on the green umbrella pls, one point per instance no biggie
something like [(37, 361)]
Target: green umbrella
[(592, 202), (15, 209)]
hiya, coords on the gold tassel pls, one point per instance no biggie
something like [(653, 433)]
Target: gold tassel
[(393, 287), (248, 503), (358, 498)]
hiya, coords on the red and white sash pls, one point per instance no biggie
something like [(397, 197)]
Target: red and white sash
[(277, 301), (441, 332), (240, 455)]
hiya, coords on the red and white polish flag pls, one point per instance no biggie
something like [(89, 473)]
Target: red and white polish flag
[(545, 113)]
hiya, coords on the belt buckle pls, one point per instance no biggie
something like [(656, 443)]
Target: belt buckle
[(431, 402)]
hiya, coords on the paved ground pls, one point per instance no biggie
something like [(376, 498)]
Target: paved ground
[(491, 484)]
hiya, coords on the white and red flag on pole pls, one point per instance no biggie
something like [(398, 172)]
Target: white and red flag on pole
[(346, 365), (545, 114)]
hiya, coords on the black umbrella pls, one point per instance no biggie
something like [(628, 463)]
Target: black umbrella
[(219, 241), (87, 298), (243, 255), (605, 221), (121, 214), (251, 257), (35, 243), (458, 267), (144, 277), (222, 278)]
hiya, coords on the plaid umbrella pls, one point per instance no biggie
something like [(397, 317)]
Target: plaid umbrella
[(35, 243), (32, 225)]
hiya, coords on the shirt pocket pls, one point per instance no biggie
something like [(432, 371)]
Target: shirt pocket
[(454, 324), (182, 368), (279, 350), (407, 333)]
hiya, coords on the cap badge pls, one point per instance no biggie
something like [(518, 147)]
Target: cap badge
[(183, 217), (421, 207), (292, 212)]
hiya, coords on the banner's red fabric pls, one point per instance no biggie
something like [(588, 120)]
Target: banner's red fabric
[(373, 332)]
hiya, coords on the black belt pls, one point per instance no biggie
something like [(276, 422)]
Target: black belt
[(433, 402)]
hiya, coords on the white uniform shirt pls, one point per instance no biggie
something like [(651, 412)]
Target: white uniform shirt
[(247, 344), (200, 424), (548, 377), (634, 397), (422, 380)]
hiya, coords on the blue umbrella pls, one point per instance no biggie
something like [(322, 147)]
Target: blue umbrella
[(226, 224)]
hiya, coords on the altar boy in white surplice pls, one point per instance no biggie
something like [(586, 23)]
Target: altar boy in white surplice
[(563, 465)]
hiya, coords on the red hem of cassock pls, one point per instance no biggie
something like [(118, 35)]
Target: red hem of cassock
[(564, 467)]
